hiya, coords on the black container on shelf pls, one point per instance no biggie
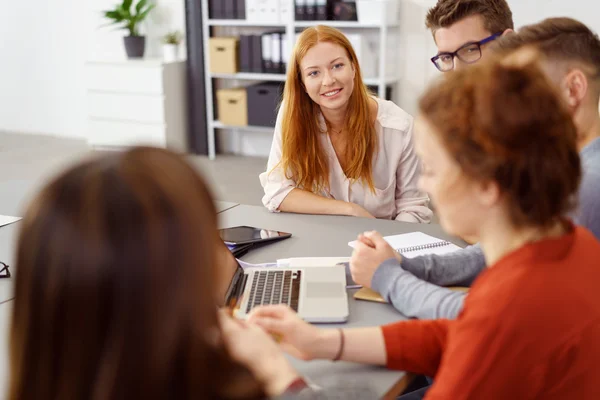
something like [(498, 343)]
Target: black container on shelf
[(344, 11), (263, 103)]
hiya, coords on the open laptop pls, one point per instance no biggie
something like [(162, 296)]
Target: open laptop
[(317, 294)]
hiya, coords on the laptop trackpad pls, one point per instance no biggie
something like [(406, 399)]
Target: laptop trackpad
[(323, 289)]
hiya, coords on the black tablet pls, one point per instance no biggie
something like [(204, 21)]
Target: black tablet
[(249, 234)]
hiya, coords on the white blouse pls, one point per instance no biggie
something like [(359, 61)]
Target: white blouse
[(396, 170)]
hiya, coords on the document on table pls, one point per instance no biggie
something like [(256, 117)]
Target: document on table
[(7, 220), (417, 244)]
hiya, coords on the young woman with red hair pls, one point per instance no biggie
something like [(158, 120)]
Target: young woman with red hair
[(337, 149)]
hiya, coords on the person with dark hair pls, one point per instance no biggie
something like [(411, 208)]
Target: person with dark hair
[(463, 29), (119, 267), (569, 54), (500, 161)]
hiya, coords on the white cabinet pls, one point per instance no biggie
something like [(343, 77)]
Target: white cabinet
[(137, 102)]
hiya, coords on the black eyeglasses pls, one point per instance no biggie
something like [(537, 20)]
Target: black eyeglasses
[(467, 53), (4, 271)]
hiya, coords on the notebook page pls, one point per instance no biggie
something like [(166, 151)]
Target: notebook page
[(6, 220), (407, 240)]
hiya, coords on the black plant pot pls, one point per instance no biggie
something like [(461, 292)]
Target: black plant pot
[(135, 46)]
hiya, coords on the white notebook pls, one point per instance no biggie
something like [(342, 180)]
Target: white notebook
[(417, 243), (6, 220)]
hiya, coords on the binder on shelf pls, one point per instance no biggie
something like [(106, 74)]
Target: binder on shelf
[(321, 10), (257, 55), (240, 9), (229, 11), (310, 13), (215, 9), (286, 51), (276, 60), (246, 53), (267, 49), (300, 11)]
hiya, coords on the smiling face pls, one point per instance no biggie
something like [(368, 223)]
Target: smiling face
[(328, 75), (467, 30)]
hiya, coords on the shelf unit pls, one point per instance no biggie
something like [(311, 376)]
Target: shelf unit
[(249, 76), (383, 79)]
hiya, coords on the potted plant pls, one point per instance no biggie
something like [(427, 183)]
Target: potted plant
[(171, 42), (129, 18)]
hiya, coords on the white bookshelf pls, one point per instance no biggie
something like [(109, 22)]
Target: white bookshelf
[(385, 75), (250, 76), (241, 22), (261, 129)]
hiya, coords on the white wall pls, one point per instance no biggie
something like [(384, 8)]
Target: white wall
[(44, 47), (41, 82)]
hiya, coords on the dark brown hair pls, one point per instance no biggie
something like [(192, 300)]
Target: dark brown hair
[(505, 123), (496, 14), (558, 39), (114, 295)]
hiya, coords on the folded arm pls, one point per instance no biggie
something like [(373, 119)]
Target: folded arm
[(414, 297)]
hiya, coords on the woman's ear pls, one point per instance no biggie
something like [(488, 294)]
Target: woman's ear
[(489, 193)]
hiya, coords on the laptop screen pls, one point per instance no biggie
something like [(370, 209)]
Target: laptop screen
[(231, 295)]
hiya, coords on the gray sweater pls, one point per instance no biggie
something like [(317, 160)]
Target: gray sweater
[(414, 288)]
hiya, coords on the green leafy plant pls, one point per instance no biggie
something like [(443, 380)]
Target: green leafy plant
[(173, 37), (129, 19)]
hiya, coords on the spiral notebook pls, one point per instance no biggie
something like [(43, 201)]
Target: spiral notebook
[(411, 245), (415, 244)]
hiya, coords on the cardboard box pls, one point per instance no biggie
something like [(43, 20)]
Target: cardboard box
[(224, 55), (233, 106)]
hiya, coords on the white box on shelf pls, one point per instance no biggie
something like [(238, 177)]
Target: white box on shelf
[(286, 11), (252, 10), (268, 11), (366, 52), (377, 11)]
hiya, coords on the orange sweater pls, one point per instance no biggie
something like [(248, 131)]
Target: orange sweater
[(530, 329)]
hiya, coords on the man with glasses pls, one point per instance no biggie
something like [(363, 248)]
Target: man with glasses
[(462, 29)]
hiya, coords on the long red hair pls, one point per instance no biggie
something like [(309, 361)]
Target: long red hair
[(302, 158)]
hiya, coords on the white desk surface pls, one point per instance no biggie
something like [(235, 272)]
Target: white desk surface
[(224, 205), (328, 236)]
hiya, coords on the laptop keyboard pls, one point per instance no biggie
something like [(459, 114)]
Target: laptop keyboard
[(275, 287)]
